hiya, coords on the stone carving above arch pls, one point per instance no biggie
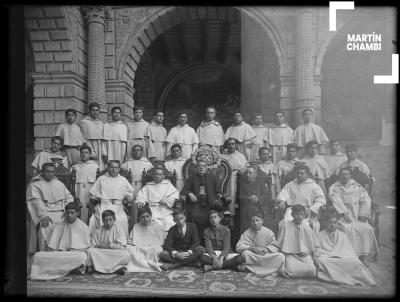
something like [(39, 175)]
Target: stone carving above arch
[(73, 15)]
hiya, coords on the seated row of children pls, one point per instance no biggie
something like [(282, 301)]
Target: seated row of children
[(297, 252)]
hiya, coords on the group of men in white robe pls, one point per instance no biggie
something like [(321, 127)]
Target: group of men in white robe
[(108, 143)]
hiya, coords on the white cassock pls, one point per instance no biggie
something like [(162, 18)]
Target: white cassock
[(115, 135), (334, 161), (283, 167), (92, 130), (338, 261), (317, 164), (176, 164), (211, 134), (354, 200), (278, 138), (69, 242), (48, 156), (353, 164), (45, 198), (111, 191), (85, 178), (244, 134), (145, 246), (137, 136), (238, 163), (152, 194), (73, 139), (307, 132), (261, 140), (107, 261), (156, 135), (185, 136), (308, 194), (137, 166)]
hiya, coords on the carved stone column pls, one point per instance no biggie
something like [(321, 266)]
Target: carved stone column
[(303, 91), (95, 16)]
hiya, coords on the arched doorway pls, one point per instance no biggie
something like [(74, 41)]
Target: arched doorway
[(198, 61)]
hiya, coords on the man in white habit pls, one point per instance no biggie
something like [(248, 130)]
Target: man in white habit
[(160, 196), (335, 157), (279, 136), (112, 189), (92, 130), (210, 131), (243, 133), (115, 135), (261, 139), (184, 135), (309, 131), (137, 130), (46, 198), (175, 164), (156, 135)]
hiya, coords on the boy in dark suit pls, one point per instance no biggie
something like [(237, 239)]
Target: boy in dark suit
[(182, 245)]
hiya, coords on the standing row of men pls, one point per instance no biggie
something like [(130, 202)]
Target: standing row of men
[(114, 139)]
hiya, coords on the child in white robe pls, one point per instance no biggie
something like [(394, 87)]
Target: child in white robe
[(92, 130), (52, 155), (279, 136), (156, 136), (85, 172), (184, 135), (243, 133), (66, 248), (108, 252), (258, 248), (337, 261), (72, 135), (210, 132), (115, 136), (261, 139), (137, 130), (175, 164), (145, 243), (299, 244)]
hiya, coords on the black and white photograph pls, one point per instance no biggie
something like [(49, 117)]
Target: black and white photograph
[(208, 151)]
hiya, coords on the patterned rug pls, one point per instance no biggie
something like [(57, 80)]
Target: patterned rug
[(193, 282)]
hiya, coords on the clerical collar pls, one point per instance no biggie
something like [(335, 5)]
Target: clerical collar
[(308, 180), (90, 161), (280, 126), (266, 162), (217, 227), (154, 123), (258, 126), (50, 151), (205, 123), (109, 175), (180, 126), (93, 119), (240, 124)]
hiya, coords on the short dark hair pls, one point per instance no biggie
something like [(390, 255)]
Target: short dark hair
[(115, 108), (307, 109), (94, 104), (213, 212), (177, 212), (310, 143), (70, 110), (263, 148), (331, 213), (351, 147), (58, 138), (107, 213), (45, 165), (302, 167), (345, 168), (72, 206), (137, 107), (211, 107), (158, 111), (292, 146), (297, 208), (113, 161), (283, 113), (141, 147), (232, 138), (85, 147), (333, 140), (256, 213), (176, 145), (145, 209)]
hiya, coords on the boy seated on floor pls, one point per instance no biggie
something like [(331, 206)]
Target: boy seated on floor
[(66, 248), (182, 245), (337, 260), (299, 244), (217, 241), (258, 248), (108, 253)]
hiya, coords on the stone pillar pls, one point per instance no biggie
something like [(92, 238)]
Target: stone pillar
[(95, 16), (303, 83)]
